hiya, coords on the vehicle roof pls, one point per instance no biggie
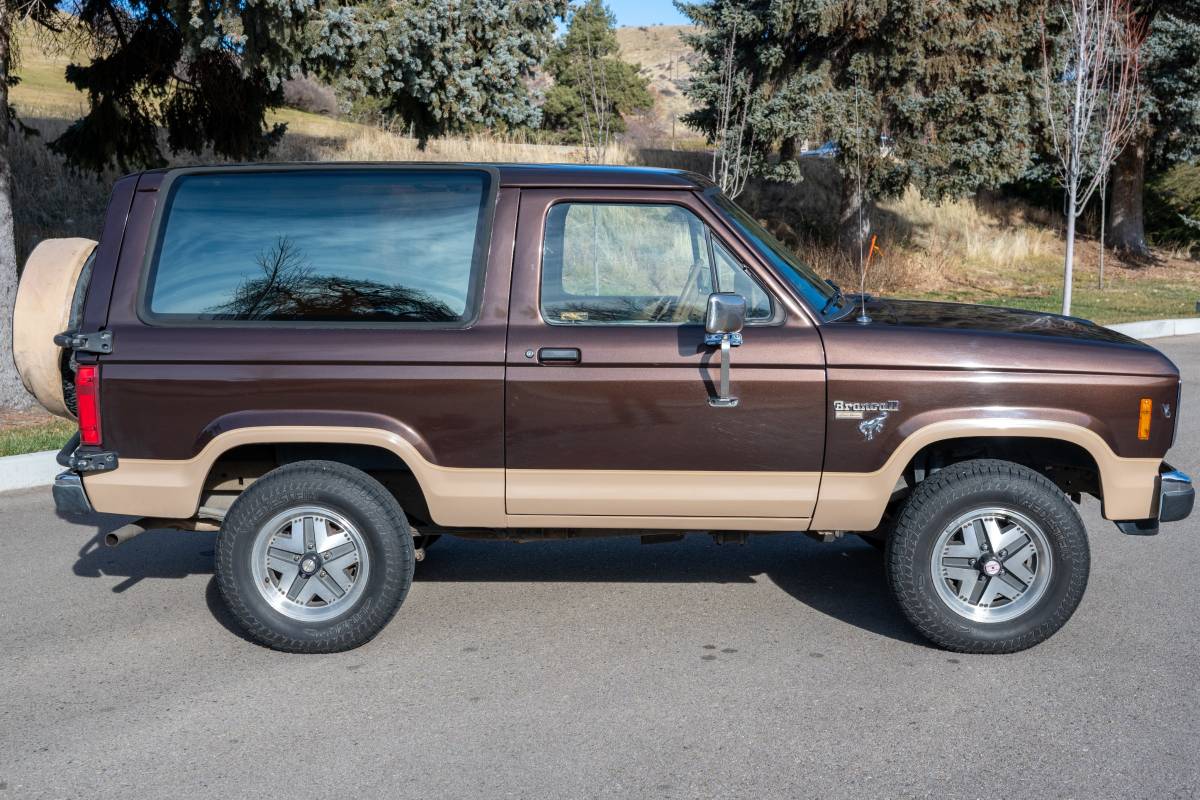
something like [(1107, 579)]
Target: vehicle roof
[(534, 175)]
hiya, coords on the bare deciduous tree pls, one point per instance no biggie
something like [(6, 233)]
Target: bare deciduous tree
[(1091, 100), (734, 144), (596, 125)]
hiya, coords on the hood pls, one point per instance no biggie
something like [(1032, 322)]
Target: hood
[(917, 333), (985, 319)]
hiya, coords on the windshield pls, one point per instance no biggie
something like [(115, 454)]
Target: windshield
[(818, 292)]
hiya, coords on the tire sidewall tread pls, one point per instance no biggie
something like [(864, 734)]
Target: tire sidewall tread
[(348, 491), (934, 503)]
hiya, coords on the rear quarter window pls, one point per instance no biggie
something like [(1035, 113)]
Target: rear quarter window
[(334, 246)]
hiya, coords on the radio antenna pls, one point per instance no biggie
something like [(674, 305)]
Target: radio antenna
[(862, 318)]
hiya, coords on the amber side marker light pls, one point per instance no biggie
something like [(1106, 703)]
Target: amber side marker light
[(1144, 409)]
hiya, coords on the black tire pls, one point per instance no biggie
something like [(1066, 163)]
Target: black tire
[(938, 502), (357, 497)]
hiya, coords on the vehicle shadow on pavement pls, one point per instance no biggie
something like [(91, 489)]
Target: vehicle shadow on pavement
[(843, 580), (153, 554)]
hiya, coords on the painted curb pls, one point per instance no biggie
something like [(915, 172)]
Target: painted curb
[(28, 471), (1158, 328)]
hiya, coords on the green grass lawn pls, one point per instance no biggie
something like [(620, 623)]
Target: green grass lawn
[(19, 439), (1129, 295)]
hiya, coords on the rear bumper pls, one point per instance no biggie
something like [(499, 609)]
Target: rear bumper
[(70, 498), (1176, 496)]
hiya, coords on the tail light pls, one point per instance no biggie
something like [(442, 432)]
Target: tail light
[(87, 394)]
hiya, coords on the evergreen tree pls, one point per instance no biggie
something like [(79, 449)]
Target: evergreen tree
[(206, 73), (587, 73), (1170, 131), (936, 95), (440, 66)]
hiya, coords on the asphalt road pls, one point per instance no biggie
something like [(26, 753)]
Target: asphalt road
[(592, 669)]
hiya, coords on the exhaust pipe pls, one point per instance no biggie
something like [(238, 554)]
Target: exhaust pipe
[(124, 534)]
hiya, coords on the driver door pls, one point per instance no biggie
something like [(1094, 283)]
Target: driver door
[(609, 379)]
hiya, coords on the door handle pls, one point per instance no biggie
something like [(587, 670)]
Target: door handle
[(558, 355)]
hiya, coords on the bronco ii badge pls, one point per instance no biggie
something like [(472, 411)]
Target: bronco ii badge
[(867, 426)]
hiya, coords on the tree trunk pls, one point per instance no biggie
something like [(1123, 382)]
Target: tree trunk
[(1126, 222), (854, 219), (1069, 261), (12, 392)]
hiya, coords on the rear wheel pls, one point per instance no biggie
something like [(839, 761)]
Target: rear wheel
[(315, 557), (988, 557)]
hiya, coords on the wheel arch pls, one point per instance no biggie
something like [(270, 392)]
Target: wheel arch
[(857, 500), (466, 497)]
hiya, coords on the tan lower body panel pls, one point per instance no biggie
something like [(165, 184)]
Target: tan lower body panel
[(661, 493), (773, 524), (855, 501), (665, 500), (469, 498)]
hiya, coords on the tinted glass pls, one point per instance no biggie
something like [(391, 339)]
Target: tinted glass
[(810, 285), (733, 277), (627, 263), (400, 246)]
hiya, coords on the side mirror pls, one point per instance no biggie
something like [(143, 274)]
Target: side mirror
[(723, 323), (726, 314)]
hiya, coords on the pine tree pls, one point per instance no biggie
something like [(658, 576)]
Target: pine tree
[(935, 95), (1170, 131), (439, 66), (589, 78), (206, 73)]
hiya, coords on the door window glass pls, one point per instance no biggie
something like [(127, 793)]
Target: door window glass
[(635, 263)]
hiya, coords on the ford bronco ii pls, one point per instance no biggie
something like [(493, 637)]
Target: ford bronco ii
[(334, 365)]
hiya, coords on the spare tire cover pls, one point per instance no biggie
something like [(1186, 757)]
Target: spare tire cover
[(43, 309)]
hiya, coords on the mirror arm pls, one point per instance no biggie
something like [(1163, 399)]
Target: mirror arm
[(723, 400)]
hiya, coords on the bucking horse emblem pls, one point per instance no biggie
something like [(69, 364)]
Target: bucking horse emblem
[(870, 427)]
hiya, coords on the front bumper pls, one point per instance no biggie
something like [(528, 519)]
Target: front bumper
[(70, 498), (1176, 497)]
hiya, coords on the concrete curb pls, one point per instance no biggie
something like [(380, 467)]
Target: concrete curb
[(1158, 328), (28, 471)]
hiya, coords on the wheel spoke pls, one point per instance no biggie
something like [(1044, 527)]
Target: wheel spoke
[(340, 565), (969, 583), (297, 587), (991, 527), (284, 565), (310, 533), (1013, 588), (311, 588), (331, 589), (328, 539), (1011, 538), (1016, 564), (994, 590), (293, 543)]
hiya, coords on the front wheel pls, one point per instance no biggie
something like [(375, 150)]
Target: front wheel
[(988, 557), (314, 557)]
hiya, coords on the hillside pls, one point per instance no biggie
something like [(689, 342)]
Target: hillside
[(665, 60)]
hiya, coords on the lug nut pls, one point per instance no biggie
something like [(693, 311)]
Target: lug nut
[(1003, 553)]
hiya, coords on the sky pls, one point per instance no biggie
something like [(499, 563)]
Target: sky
[(646, 12)]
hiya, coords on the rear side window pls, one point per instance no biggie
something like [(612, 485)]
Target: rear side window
[(320, 246)]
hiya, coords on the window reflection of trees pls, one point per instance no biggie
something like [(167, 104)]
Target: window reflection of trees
[(287, 287)]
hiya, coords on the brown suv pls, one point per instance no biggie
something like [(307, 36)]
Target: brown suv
[(335, 365)]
